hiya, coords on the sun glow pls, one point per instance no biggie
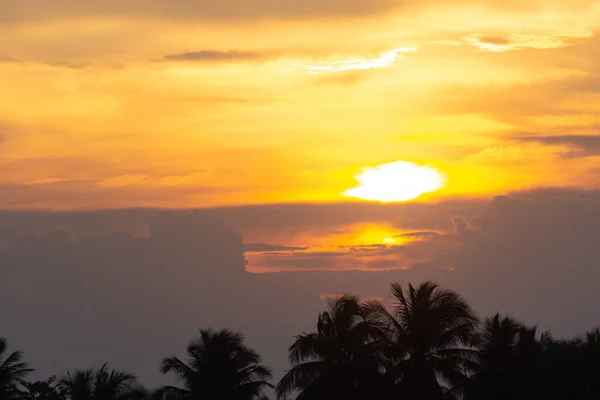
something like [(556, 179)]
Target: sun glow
[(396, 181)]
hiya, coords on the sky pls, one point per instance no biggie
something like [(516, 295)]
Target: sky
[(325, 146), (109, 104)]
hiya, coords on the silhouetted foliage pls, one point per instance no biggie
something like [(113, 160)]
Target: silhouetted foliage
[(428, 330), (220, 367), (48, 389), (341, 359), (12, 372), (426, 345), (102, 384)]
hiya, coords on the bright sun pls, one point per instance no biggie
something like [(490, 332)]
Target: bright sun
[(396, 181)]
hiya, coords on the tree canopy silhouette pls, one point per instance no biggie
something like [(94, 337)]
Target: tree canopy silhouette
[(341, 359), (429, 330), (220, 367), (102, 384), (13, 372), (426, 345)]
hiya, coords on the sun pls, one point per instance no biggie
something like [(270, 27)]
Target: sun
[(396, 181)]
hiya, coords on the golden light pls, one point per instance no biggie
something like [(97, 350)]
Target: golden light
[(396, 181)]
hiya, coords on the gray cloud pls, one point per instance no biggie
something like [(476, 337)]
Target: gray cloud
[(216, 56), (422, 234), (85, 285), (580, 145), (263, 247)]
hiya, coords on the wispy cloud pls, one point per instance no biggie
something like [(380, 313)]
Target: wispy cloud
[(578, 145), (386, 59), (418, 234), (215, 56), (268, 247), (513, 41)]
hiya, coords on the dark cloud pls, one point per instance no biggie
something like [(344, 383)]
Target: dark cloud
[(262, 247), (579, 145), (530, 255), (542, 252), (89, 293), (422, 234), (216, 56), (290, 219)]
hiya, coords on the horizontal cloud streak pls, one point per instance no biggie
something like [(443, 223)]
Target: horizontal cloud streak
[(266, 247), (215, 56), (579, 145)]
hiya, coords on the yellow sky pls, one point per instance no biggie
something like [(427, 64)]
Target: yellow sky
[(172, 104)]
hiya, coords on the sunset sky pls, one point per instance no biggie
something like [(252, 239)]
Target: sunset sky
[(206, 103), (341, 145)]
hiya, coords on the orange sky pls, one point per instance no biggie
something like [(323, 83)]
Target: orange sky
[(184, 104)]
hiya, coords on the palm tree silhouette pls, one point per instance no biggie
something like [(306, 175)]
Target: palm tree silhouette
[(12, 372), (496, 340), (429, 330), (220, 367), (341, 360), (79, 385), (589, 360), (102, 384)]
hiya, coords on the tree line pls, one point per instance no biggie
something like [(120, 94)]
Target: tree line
[(427, 345)]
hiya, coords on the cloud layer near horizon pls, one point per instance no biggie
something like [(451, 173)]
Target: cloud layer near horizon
[(159, 276)]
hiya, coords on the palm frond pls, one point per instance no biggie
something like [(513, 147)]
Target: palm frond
[(299, 377)]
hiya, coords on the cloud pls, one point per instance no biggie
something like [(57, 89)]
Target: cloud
[(515, 41), (542, 250), (499, 154), (81, 277), (418, 235), (386, 59), (69, 65), (264, 247), (578, 145), (216, 56), (330, 296), (544, 103)]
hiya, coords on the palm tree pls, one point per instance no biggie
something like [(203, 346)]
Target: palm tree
[(79, 385), (116, 385), (511, 358), (12, 372), (429, 330), (338, 361), (102, 384), (590, 364), (220, 367), (496, 340)]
